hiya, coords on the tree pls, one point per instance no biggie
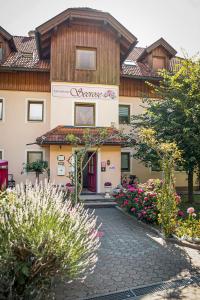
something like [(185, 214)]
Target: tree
[(174, 114), (38, 167)]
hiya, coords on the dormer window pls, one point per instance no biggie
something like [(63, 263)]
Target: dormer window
[(159, 62), (86, 58), (1, 51)]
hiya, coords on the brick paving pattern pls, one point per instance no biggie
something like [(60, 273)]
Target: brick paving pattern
[(129, 256)]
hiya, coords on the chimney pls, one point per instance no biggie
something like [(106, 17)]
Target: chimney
[(31, 33)]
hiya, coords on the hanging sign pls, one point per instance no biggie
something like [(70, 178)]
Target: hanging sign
[(61, 169), (85, 92)]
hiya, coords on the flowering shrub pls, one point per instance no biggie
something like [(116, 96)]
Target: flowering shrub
[(190, 227), (42, 236), (141, 200)]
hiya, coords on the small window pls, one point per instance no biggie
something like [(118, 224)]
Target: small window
[(1, 154), (84, 114), (33, 156), (125, 162), (1, 109), (156, 167), (179, 168), (1, 51), (129, 62), (124, 114), (85, 59), (159, 62), (35, 111)]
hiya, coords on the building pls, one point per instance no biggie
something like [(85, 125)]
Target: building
[(79, 69)]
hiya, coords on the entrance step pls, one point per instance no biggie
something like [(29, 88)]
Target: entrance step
[(97, 201)]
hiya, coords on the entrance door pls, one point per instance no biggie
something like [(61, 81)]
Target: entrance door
[(92, 172)]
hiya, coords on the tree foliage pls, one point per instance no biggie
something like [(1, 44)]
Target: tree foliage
[(174, 114)]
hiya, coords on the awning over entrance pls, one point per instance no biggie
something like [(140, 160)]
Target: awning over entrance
[(58, 136)]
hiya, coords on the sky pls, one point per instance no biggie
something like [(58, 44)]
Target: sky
[(177, 21)]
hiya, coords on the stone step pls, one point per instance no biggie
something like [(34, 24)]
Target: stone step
[(99, 204)]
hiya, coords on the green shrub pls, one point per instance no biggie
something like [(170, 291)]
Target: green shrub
[(40, 237)]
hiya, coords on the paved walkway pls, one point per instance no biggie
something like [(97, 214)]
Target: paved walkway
[(129, 256)]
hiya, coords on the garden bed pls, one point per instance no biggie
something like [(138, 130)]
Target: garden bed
[(156, 229), (141, 202)]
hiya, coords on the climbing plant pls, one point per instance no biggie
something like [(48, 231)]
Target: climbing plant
[(168, 154)]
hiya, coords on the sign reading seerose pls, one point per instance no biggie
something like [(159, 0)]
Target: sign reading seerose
[(80, 92)]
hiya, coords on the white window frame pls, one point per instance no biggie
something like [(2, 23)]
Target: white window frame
[(4, 109), (34, 150), (91, 49), (27, 100)]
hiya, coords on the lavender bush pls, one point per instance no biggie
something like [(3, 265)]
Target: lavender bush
[(41, 237)]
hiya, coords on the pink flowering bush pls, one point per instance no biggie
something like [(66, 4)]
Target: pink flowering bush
[(141, 200)]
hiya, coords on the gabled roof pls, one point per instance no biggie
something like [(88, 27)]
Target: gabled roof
[(161, 42), (8, 37), (26, 56), (43, 32), (57, 136)]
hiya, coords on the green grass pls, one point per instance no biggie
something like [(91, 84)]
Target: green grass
[(185, 204)]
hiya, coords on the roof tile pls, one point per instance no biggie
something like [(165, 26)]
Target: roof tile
[(26, 57)]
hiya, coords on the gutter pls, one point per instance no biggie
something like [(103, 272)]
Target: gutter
[(141, 77), (10, 69)]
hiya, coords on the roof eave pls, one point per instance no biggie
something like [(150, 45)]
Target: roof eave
[(156, 78), (10, 69)]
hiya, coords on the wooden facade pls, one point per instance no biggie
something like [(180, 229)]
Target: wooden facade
[(25, 81), (130, 87), (158, 52), (63, 54)]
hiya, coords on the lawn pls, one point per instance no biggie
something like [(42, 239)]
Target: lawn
[(185, 204)]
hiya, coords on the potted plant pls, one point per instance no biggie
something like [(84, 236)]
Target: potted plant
[(108, 189)]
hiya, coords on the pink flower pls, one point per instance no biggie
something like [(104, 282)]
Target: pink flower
[(178, 199), (133, 209), (140, 191), (180, 213), (190, 210), (136, 199), (126, 202), (145, 198), (132, 189)]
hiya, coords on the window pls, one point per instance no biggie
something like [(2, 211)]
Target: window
[(1, 109), (35, 110), (124, 114), (129, 62), (1, 154), (86, 59), (84, 114), (33, 156), (125, 161), (1, 51), (156, 167), (179, 168), (158, 63)]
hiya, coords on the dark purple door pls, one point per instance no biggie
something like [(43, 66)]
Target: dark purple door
[(92, 172)]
